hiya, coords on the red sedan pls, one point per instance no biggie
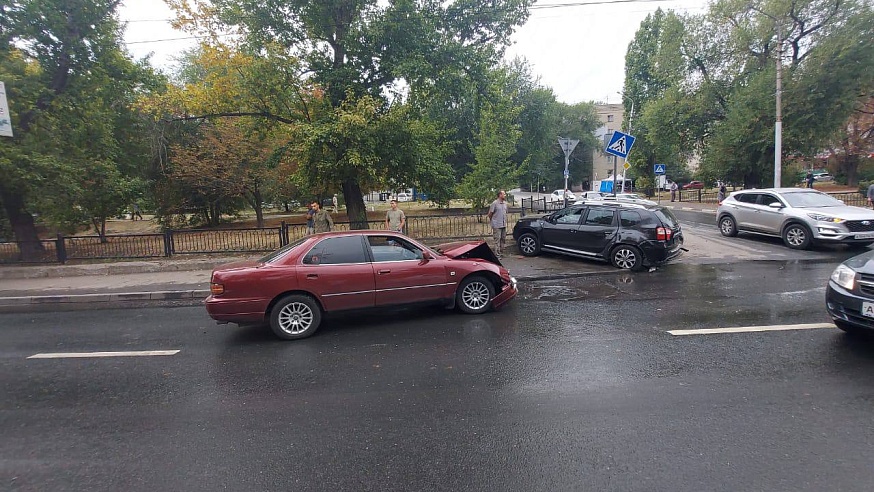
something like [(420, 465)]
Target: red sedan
[(294, 286), (693, 185)]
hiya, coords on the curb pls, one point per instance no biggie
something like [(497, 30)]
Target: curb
[(165, 295)]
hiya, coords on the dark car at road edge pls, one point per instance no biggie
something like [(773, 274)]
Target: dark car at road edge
[(849, 297), (627, 235)]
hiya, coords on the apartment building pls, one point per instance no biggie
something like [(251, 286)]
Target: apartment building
[(611, 120)]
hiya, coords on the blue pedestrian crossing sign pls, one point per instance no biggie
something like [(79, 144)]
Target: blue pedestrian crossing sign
[(620, 144), (658, 169)]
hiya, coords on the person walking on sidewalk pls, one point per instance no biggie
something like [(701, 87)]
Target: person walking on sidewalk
[(322, 221), (395, 220), (498, 218), (870, 195), (674, 189), (310, 214)]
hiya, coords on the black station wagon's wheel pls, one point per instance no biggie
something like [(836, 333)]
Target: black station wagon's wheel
[(796, 236), (475, 294), (295, 317), (528, 244), (626, 257), (727, 226)]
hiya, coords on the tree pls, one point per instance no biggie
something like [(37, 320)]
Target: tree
[(225, 162), (69, 87), (722, 106), (358, 48), (493, 169)]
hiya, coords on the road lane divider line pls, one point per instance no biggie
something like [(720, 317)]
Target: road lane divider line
[(84, 355), (751, 329)]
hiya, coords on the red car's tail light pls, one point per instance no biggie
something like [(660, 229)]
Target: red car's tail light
[(216, 289), (663, 234)]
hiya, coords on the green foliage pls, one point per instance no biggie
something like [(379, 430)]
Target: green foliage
[(704, 85), (493, 169), (79, 144)]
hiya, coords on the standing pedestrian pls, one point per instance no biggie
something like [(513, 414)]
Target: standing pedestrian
[(335, 202), (674, 189), (720, 195), (498, 218), (871, 195), (810, 179), (322, 221), (310, 213), (395, 220)]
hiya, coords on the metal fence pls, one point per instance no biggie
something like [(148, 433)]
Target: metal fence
[(226, 240)]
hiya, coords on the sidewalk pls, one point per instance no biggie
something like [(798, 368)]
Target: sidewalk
[(187, 280)]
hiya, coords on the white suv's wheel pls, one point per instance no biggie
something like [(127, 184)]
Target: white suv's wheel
[(727, 226), (796, 236)]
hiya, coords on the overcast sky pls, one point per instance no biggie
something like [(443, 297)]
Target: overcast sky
[(578, 50)]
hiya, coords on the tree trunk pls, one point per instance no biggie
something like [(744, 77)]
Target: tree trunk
[(355, 208), (851, 168), (22, 225), (257, 202), (100, 228)]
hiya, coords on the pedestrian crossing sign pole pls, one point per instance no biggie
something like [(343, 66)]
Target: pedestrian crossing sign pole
[(619, 146)]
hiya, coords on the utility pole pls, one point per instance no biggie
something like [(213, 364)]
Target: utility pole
[(778, 125)]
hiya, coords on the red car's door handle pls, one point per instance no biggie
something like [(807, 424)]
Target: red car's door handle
[(383, 272), (312, 275)]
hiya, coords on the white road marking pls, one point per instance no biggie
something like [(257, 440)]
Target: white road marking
[(746, 329), (82, 355)]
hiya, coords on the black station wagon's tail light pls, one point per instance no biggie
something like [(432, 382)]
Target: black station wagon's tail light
[(216, 289), (663, 234)]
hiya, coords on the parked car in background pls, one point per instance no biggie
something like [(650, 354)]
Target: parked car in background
[(693, 185), (559, 196), (628, 235), (849, 297), (630, 197), (293, 287), (405, 197), (590, 195), (823, 177), (800, 216)]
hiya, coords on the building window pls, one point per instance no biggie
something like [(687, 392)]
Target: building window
[(609, 118)]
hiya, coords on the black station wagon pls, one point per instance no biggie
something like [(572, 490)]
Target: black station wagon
[(630, 236)]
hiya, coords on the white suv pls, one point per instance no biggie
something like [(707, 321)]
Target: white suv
[(800, 216)]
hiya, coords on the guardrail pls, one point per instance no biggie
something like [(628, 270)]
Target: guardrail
[(225, 240)]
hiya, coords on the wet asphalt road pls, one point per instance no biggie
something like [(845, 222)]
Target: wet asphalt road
[(574, 386)]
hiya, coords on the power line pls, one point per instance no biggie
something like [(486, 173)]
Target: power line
[(533, 7)]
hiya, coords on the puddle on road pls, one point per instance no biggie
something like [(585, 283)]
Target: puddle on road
[(556, 293)]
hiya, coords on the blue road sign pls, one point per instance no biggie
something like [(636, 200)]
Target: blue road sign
[(620, 144), (659, 169)]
